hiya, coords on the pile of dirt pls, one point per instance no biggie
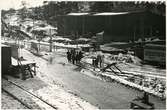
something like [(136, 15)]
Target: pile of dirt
[(125, 58)]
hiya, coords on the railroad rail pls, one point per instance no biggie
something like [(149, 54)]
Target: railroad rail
[(14, 97), (27, 92)]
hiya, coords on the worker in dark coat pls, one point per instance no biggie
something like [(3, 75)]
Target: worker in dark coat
[(99, 60), (69, 56), (93, 63), (77, 57), (145, 98), (80, 54), (73, 56), (96, 62)]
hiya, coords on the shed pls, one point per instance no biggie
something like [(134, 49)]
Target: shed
[(6, 58), (117, 26)]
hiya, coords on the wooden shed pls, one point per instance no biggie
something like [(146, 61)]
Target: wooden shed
[(5, 58), (117, 26)]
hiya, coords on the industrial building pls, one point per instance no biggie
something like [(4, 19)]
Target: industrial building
[(117, 26)]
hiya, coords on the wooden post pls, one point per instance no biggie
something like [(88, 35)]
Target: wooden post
[(35, 69), (50, 40), (39, 46)]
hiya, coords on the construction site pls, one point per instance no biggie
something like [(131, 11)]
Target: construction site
[(88, 61)]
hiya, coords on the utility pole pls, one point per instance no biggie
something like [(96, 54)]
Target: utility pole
[(50, 40), (33, 26), (19, 51)]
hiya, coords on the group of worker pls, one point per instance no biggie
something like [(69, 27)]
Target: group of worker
[(74, 56), (98, 61)]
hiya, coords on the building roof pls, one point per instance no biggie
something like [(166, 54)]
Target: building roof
[(98, 14), (106, 13), (111, 13), (3, 45), (78, 14)]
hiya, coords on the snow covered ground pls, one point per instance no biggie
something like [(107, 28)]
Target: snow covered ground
[(52, 94), (56, 72), (8, 102), (154, 79), (44, 87), (60, 65), (134, 67)]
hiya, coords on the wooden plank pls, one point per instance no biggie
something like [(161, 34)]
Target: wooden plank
[(15, 62), (141, 105)]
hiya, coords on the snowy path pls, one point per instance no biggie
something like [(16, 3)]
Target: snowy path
[(97, 92)]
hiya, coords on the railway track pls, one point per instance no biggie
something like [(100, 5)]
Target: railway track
[(15, 98), (10, 100), (22, 100)]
